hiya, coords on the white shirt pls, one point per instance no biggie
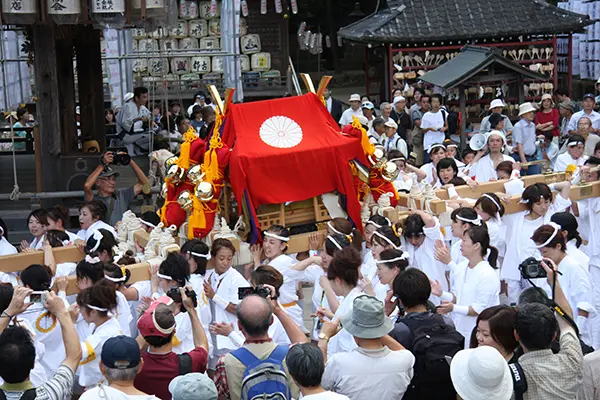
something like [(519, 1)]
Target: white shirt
[(562, 162), (375, 137), (343, 342), (431, 171), (319, 299), (478, 287), (329, 103), (276, 333), (91, 350), (123, 313), (484, 170), (325, 396), (594, 117), (435, 121), (6, 248), (346, 117), (84, 234), (395, 143), (288, 296), (578, 255), (592, 214), (106, 392), (369, 374)]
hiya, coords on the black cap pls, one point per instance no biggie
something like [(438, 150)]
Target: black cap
[(121, 352)]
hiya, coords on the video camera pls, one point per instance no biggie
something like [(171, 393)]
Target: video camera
[(259, 290), (174, 294)]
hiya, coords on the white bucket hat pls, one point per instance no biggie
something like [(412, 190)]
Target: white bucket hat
[(481, 373), (526, 108), (128, 96), (494, 132), (355, 97), (390, 123), (398, 99), (497, 103), (363, 120)]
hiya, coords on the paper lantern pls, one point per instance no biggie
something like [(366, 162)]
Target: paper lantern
[(148, 45), (158, 66), (134, 45), (243, 27), (250, 44), (198, 28), (108, 6), (64, 11), (261, 61), (139, 33), (180, 65), (210, 43), (169, 44), (179, 31), (140, 66), (150, 4), (188, 44), (160, 33), (201, 64)]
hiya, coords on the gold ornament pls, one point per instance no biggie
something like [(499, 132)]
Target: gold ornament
[(378, 158), (170, 161), (185, 201), (390, 171), (195, 174), (175, 174), (204, 191)]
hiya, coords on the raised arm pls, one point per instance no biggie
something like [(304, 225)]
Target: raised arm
[(56, 306), (141, 177), (49, 258), (200, 339)]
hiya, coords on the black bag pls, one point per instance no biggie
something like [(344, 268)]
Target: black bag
[(519, 380), (29, 394), (453, 124), (434, 345), (185, 363)]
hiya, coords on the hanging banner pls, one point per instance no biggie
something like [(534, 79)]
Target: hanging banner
[(244, 8), (263, 6), (230, 28), (111, 37), (108, 6), (64, 7), (278, 6)]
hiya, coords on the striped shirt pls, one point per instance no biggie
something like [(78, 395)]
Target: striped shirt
[(57, 388)]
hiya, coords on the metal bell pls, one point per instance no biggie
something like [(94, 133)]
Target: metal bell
[(170, 161), (185, 201), (390, 171), (175, 174), (204, 191), (195, 174)]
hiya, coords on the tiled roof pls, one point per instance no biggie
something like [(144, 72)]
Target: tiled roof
[(401, 21), (470, 61)]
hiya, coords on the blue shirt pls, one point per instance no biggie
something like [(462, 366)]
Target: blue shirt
[(524, 133)]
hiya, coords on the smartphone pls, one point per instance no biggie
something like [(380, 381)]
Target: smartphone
[(36, 297)]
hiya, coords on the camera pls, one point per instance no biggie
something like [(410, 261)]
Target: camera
[(121, 158), (38, 296), (532, 269), (259, 290), (174, 294)]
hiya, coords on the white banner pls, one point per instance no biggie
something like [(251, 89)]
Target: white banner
[(111, 36), (230, 43)]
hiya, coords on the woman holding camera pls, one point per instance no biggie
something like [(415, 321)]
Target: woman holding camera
[(574, 279), (475, 283)]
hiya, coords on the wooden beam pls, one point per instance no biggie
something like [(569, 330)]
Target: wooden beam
[(323, 85), (139, 272), (214, 93), (299, 243), (18, 262), (141, 238), (308, 82)]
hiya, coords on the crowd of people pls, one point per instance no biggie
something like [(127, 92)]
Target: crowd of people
[(485, 304)]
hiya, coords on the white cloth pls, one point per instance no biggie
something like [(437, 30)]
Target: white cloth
[(66, 269), (226, 287), (564, 160), (379, 374), (484, 170), (123, 313), (288, 294), (395, 143), (346, 117), (91, 349), (106, 392), (582, 258), (6, 248), (343, 342), (328, 395), (276, 333), (435, 121), (319, 299), (203, 309), (478, 287), (37, 243), (423, 257), (431, 171), (497, 232), (84, 234)]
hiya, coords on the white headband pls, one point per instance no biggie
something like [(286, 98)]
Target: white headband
[(404, 256), (523, 201), (164, 276), (452, 145), (397, 159), (96, 308), (573, 144), (207, 256), (332, 240), (116, 280), (487, 196), (476, 221), (66, 242), (91, 260), (557, 229), (330, 225), (386, 239), (164, 331), (97, 235), (147, 223), (274, 236), (433, 146), (376, 225)]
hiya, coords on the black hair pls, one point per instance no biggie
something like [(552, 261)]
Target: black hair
[(501, 320), (413, 226), (150, 217), (140, 90), (59, 213), (378, 220), (345, 266), (41, 214), (196, 246), (412, 287), (101, 295), (345, 227), (464, 212), (92, 271), (21, 111), (575, 139), (420, 90), (536, 326), (180, 119), (56, 238), (119, 273), (488, 206), (37, 277), (391, 254), (6, 294), (17, 354), (378, 121), (468, 151), (535, 193), (4, 231), (495, 119), (479, 234), (107, 243), (97, 209), (534, 295), (389, 234), (446, 163), (395, 154), (280, 231), (596, 148), (176, 267), (305, 364), (331, 248), (438, 96), (561, 91), (568, 222)]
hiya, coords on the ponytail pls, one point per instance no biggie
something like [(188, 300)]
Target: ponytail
[(493, 257)]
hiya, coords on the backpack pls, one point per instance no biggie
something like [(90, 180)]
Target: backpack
[(29, 394), (185, 364), (264, 379), (434, 344)]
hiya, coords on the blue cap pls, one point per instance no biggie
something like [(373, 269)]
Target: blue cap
[(589, 96), (121, 352)]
